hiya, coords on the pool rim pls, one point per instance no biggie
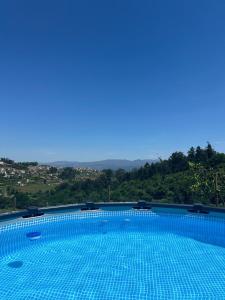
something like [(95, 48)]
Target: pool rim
[(70, 208)]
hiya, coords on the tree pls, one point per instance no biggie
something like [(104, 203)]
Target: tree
[(22, 200), (120, 175), (107, 178), (210, 151), (53, 170), (7, 160), (68, 173), (191, 154), (178, 162), (201, 155), (217, 160), (107, 175)]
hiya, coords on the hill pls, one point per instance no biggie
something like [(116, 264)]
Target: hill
[(198, 176), (112, 164)]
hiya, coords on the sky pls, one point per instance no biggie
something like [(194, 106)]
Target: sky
[(89, 80)]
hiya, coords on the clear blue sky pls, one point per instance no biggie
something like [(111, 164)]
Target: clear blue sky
[(89, 80)]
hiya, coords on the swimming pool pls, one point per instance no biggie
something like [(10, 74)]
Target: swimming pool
[(113, 255)]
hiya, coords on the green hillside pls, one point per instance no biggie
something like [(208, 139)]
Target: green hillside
[(198, 176)]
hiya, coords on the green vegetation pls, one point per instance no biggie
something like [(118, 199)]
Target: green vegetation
[(198, 176)]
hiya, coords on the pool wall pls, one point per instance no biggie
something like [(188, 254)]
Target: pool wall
[(178, 208)]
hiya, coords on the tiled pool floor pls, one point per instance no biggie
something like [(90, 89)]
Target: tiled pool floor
[(115, 266)]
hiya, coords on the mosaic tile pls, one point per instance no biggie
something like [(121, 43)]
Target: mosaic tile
[(124, 255)]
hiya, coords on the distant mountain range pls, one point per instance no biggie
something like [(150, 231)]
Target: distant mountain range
[(113, 164)]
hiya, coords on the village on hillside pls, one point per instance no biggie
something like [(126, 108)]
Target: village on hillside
[(30, 176)]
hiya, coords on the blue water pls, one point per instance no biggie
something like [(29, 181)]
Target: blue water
[(114, 255)]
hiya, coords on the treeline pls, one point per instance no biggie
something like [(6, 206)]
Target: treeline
[(18, 164), (198, 176)]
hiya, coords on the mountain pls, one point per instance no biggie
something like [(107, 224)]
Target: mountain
[(113, 164)]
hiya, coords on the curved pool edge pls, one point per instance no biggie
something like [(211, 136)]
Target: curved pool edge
[(77, 214), (13, 216)]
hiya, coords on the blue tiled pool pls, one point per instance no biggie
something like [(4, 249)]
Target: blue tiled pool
[(114, 255)]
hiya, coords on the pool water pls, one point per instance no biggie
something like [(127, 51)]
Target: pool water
[(114, 255)]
